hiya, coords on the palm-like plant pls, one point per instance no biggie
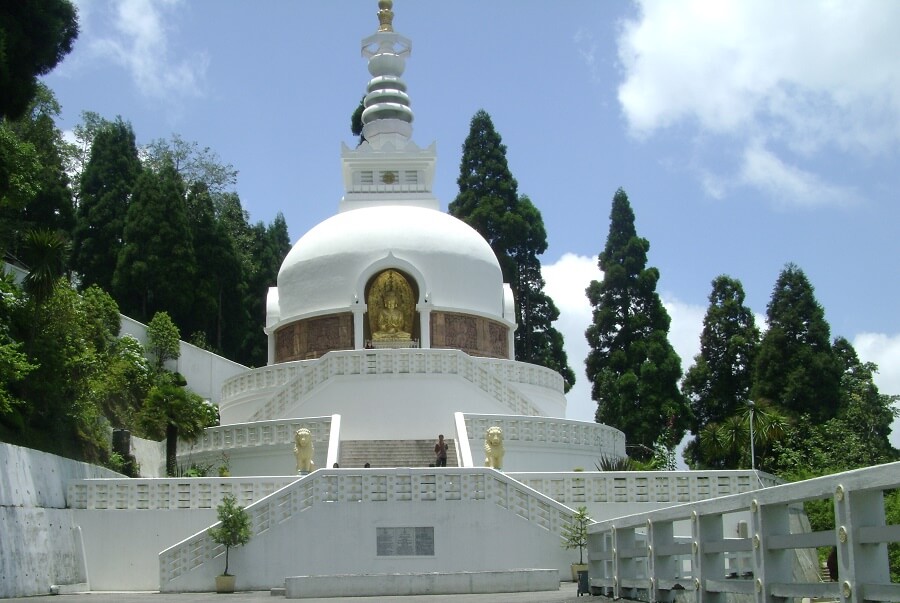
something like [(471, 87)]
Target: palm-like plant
[(730, 439)]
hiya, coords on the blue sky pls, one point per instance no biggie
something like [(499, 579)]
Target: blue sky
[(746, 134)]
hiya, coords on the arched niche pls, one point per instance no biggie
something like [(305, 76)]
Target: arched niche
[(391, 319)]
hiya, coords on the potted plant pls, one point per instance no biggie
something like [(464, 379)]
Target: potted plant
[(575, 537), (233, 529)]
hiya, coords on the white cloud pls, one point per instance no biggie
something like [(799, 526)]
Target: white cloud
[(789, 184), (137, 38), (799, 76), (883, 350), (566, 281)]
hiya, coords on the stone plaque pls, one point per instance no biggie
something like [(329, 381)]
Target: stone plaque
[(406, 542)]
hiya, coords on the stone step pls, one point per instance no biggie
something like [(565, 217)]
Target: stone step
[(392, 453)]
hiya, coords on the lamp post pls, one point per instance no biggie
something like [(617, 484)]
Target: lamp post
[(752, 406)]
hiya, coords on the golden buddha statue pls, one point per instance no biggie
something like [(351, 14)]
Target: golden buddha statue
[(391, 307)]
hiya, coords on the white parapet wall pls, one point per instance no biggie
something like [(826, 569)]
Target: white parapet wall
[(544, 443), (40, 542)]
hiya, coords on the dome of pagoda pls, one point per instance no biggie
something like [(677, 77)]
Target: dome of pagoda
[(452, 266)]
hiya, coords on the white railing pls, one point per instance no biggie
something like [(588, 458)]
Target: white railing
[(394, 362), (259, 380), (524, 372), (602, 439), (374, 486), (673, 487), (640, 557), (169, 493), (225, 438)]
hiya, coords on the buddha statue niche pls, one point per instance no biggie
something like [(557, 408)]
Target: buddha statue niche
[(391, 308), (390, 320)]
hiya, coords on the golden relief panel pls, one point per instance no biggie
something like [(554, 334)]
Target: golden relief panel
[(313, 337), (475, 335)]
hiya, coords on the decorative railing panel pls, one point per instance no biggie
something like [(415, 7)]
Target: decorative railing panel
[(577, 488), (259, 433), (297, 381), (169, 493), (639, 557), (549, 431)]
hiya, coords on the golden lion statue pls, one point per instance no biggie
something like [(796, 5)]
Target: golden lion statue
[(493, 448), (304, 450)]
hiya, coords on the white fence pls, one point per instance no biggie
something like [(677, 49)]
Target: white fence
[(673, 487), (292, 381), (639, 556), (169, 493)]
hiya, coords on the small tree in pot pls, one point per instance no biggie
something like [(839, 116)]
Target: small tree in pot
[(233, 530), (575, 537)]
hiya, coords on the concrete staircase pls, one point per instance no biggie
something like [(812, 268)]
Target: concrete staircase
[(393, 453)]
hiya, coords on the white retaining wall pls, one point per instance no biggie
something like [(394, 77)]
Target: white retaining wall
[(40, 543)]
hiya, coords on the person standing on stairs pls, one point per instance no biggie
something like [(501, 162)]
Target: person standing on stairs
[(440, 452)]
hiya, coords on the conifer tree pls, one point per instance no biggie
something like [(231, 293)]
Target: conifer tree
[(796, 367), (106, 185), (157, 258), (489, 202), (718, 384), (633, 368)]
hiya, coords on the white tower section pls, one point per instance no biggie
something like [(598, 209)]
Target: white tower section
[(388, 168)]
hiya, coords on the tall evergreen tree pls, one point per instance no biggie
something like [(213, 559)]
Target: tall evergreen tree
[(34, 38), (796, 367), (105, 194), (718, 384), (489, 202), (158, 255), (633, 368), (219, 272)]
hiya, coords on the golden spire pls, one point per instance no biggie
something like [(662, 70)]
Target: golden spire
[(385, 15)]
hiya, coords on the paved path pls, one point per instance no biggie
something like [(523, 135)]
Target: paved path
[(567, 593)]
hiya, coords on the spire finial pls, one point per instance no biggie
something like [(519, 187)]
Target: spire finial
[(385, 15)]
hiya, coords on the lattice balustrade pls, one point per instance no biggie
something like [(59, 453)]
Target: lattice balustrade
[(599, 439), (490, 376), (249, 435), (168, 493)]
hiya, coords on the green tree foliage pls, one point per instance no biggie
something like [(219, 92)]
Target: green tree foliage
[(172, 411), (489, 202), (194, 164), (163, 340), (633, 368), (218, 273), (796, 367), (49, 204), (14, 365), (234, 527), (725, 444), (105, 195), (45, 252), (718, 384), (34, 38), (19, 183), (157, 257)]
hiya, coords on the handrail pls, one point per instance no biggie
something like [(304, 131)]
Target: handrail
[(343, 363), (258, 433), (641, 557)]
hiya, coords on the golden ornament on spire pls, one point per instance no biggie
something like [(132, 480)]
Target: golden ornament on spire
[(385, 15)]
